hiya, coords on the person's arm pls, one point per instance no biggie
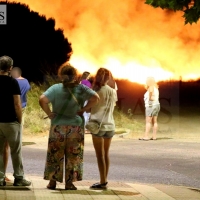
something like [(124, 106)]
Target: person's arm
[(91, 102), (44, 104), (18, 107), (115, 96), (151, 89)]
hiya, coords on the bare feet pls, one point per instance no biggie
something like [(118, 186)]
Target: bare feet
[(51, 185), (7, 179), (70, 186)]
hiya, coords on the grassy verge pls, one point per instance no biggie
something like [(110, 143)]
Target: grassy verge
[(35, 124), (124, 123)]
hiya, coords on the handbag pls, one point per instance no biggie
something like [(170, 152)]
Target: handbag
[(94, 126)]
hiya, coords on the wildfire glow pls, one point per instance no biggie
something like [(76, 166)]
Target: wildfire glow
[(130, 38), (130, 70)]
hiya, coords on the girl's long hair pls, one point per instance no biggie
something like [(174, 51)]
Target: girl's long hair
[(102, 76), (68, 75), (111, 81)]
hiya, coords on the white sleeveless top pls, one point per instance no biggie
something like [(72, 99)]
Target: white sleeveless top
[(155, 97)]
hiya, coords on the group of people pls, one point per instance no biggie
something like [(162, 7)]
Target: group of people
[(69, 100)]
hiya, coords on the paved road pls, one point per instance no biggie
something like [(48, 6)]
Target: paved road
[(163, 161)]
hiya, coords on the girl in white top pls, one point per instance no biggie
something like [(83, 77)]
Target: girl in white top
[(102, 140), (152, 108)]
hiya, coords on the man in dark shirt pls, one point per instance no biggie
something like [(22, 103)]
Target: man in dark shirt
[(10, 122), (24, 86)]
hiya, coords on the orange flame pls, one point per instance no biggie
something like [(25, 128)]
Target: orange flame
[(130, 38)]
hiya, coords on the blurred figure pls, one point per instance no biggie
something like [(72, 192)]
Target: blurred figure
[(10, 123), (66, 135), (24, 85), (85, 81), (152, 108), (103, 111)]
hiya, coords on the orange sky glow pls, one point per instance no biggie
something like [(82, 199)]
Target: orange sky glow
[(130, 38)]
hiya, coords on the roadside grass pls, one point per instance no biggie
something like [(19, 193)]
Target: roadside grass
[(181, 126), (124, 123), (35, 124)]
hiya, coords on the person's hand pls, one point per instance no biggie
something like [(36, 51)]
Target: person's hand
[(80, 112), (20, 122), (52, 115)]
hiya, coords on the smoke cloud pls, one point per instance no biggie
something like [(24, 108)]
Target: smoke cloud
[(132, 39)]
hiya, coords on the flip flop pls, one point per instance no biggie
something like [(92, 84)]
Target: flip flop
[(153, 138), (99, 186), (144, 139)]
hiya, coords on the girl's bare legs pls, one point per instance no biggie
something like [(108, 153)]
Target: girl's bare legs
[(107, 142), (101, 147), (155, 126), (148, 127)]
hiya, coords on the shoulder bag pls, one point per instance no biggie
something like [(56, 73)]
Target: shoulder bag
[(94, 126)]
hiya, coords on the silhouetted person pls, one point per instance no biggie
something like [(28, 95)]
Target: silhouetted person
[(10, 122)]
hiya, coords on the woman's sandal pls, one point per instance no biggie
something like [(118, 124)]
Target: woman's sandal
[(99, 186), (51, 185), (153, 138), (144, 139), (70, 187)]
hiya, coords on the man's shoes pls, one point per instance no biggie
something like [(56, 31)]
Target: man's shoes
[(21, 182), (3, 183)]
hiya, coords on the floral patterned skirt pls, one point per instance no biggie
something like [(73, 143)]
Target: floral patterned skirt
[(66, 143)]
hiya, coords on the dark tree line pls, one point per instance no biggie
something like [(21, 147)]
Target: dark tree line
[(33, 42)]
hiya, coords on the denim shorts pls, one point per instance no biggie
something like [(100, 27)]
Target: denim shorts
[(105, 134), (152, 111)]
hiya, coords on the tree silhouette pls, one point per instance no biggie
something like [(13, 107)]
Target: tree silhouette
[(33, 42)]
